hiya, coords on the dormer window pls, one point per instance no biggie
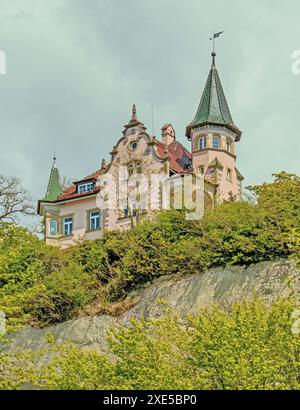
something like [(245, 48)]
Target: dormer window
[(87, 187), (216, 142), (202, 143)]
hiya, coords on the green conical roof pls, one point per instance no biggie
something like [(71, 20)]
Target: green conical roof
[(54, 186), (213, 107)]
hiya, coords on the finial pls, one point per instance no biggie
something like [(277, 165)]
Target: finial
[(134, 116), (215, 35), (103, 164), (54, 160), (213, 54)]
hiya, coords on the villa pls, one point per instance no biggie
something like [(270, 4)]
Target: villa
[(73, 213)]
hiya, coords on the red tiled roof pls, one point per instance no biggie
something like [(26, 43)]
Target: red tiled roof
[(71, 192), (175, 152), (94, 175)]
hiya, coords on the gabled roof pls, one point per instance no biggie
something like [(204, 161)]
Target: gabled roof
[(90, 177), (54, 188), (213, 107), (215, 163), (180, 162), (71, 192)]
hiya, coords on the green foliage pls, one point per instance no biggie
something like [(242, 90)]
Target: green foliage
[(43, 285), (60, 295), (249, 346)]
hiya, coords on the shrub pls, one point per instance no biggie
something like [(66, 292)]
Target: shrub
[(249, 346), (42, 284)]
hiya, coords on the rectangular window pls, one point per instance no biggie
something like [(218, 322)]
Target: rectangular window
[(94, 220), (216, 142), (202, 143), (229, 175), (228, 146), (85, 187), (52, 227), (68, 226)]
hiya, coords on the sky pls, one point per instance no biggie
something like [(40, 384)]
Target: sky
[(75, 67)]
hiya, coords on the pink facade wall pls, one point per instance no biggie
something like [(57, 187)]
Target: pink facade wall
[(79, 211), (145, 153), (227, 160)]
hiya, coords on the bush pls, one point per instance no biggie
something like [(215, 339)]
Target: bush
[(44, 285), (250, 346)]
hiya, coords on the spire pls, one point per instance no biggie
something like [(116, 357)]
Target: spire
[(213, 107), (54, 186), (134, 117), (134, 120)]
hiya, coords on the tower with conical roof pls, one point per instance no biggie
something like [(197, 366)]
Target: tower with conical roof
[(213, 137), (54, 189)]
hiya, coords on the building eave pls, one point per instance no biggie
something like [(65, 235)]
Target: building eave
[(62, 201), (231, 127)]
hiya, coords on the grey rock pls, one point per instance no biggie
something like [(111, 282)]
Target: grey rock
[(220, 286)]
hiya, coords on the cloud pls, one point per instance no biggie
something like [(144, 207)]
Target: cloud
[(74, 68)]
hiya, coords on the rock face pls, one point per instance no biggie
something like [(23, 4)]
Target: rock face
[(221, 286)]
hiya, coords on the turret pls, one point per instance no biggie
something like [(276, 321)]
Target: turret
[(54, 189), (213, 136)]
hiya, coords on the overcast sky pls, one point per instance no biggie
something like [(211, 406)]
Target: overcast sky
[(74, 68)]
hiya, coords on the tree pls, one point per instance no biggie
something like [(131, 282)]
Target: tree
[(14, 199)]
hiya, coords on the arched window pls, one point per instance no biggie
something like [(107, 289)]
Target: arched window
[(138, 167), (201, 170), (53, 227), (202, 143), (130, 169), (216, 142)]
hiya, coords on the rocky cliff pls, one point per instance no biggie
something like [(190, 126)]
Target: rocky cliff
[(221, 286)]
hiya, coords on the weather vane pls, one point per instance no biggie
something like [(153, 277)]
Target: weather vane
[(215, 35)]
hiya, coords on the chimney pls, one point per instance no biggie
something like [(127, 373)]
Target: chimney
[(168, 134)]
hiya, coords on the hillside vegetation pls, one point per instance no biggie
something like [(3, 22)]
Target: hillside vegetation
[(42, 285), (250, 346)]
